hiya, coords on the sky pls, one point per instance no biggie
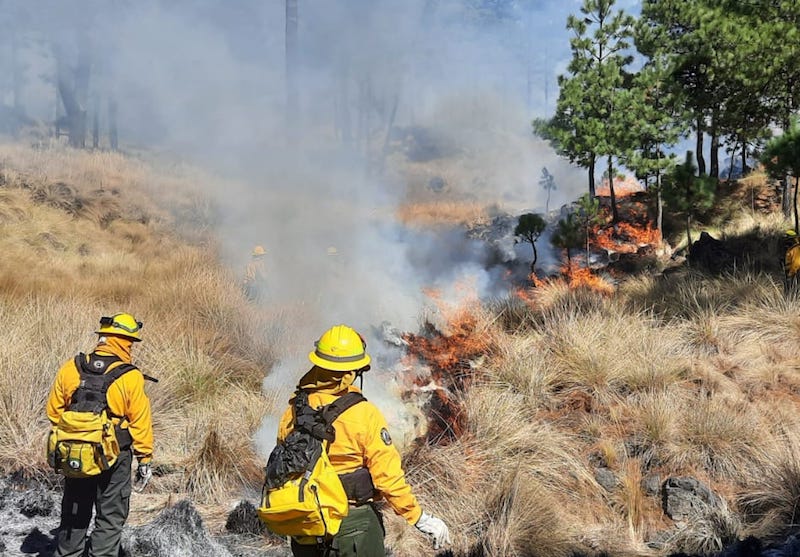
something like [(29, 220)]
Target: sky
[(391, 96)]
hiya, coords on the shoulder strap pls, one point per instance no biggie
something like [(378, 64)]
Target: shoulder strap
[(96, 376), (338, 406), (319, 422)]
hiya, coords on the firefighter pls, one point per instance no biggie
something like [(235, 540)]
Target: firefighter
[(791, 259), (362, 453), (255, 275), (109, 492)]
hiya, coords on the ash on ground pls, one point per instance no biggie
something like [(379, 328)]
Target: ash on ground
[(30, 510)]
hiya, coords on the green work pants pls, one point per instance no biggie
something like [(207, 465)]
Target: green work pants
[(361, 535), (109, 494)]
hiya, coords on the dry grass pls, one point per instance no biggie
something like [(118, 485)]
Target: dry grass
[(119, 233), (685, 374), (447, 213)]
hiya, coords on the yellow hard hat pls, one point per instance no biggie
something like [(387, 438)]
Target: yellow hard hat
[(791, 232), (340, 348), (122, 324), (259, 250)]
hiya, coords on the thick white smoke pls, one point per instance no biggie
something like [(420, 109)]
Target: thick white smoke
[(396, 103)]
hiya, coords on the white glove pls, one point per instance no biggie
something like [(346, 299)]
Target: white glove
[(435, 528), (143, 475)]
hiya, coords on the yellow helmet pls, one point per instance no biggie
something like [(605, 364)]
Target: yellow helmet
[(259, 250), (122, 324), (340, 348), (791, 232)]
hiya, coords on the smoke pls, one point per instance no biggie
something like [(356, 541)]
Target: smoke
[(388, 98)]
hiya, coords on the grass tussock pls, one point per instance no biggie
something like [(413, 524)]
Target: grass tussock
[(687, 375)]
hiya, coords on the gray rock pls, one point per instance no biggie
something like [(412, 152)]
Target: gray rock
[(651, 484), (606, 478), (686, 497)]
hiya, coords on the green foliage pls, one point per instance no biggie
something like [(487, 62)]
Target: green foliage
[(530, 227), (684, 191), (781, 157), (782, 154), (569, 234), (590, 112)]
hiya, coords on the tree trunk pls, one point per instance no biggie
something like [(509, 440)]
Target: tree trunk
[(96, 123), (701, 161), (569, 264), (796, 224), (659, 206), (291, 63), (786, 197), (535, 257), (17, 75), (547, 203), (614, 213), (113, 138), (714, 154), (592, 190), (744, 157)]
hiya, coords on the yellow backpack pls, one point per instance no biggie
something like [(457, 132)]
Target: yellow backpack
[(303, 495), (85, 442)]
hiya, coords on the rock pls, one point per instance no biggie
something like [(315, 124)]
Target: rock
[(685, 498), (243, 519), (606, 478), (651, 484)]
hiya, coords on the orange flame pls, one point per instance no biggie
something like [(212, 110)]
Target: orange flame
[(626, 237), (449, 355)]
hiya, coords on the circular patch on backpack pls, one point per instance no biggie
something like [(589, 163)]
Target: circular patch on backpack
[(387, 439), (99, 364)]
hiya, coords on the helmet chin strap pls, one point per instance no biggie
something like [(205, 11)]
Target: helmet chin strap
[(360, 375)]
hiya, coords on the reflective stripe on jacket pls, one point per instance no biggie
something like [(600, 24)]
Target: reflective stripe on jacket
[(359, 444)]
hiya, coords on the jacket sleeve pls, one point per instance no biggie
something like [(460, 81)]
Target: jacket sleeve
[(137, 412), (57, 400), (385, 467)]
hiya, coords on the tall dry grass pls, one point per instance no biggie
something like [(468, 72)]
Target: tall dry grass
[(119, 233), (684, 374)]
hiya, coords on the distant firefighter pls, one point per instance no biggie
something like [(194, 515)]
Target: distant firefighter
[(255, 275), (791, 259)]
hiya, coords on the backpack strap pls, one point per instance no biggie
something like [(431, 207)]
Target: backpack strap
[(319, 422), (97, 373)]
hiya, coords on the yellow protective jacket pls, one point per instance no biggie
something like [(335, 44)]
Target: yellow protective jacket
[(791, 260), (362, 441), (126, 397), (255, 272)]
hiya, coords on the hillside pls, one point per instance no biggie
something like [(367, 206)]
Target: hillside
[(556, 416)]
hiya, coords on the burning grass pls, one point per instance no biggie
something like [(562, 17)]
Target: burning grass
[(693, 377)]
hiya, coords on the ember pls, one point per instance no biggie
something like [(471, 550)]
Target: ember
[(450, 356)]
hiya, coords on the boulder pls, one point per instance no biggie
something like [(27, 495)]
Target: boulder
[(685, 498)]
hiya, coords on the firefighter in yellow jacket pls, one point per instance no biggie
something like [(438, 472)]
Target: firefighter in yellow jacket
[(108, 494), (255, 275), (362, 453), (791, 260)]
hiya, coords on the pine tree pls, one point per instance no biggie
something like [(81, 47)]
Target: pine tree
[(530, 227)]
